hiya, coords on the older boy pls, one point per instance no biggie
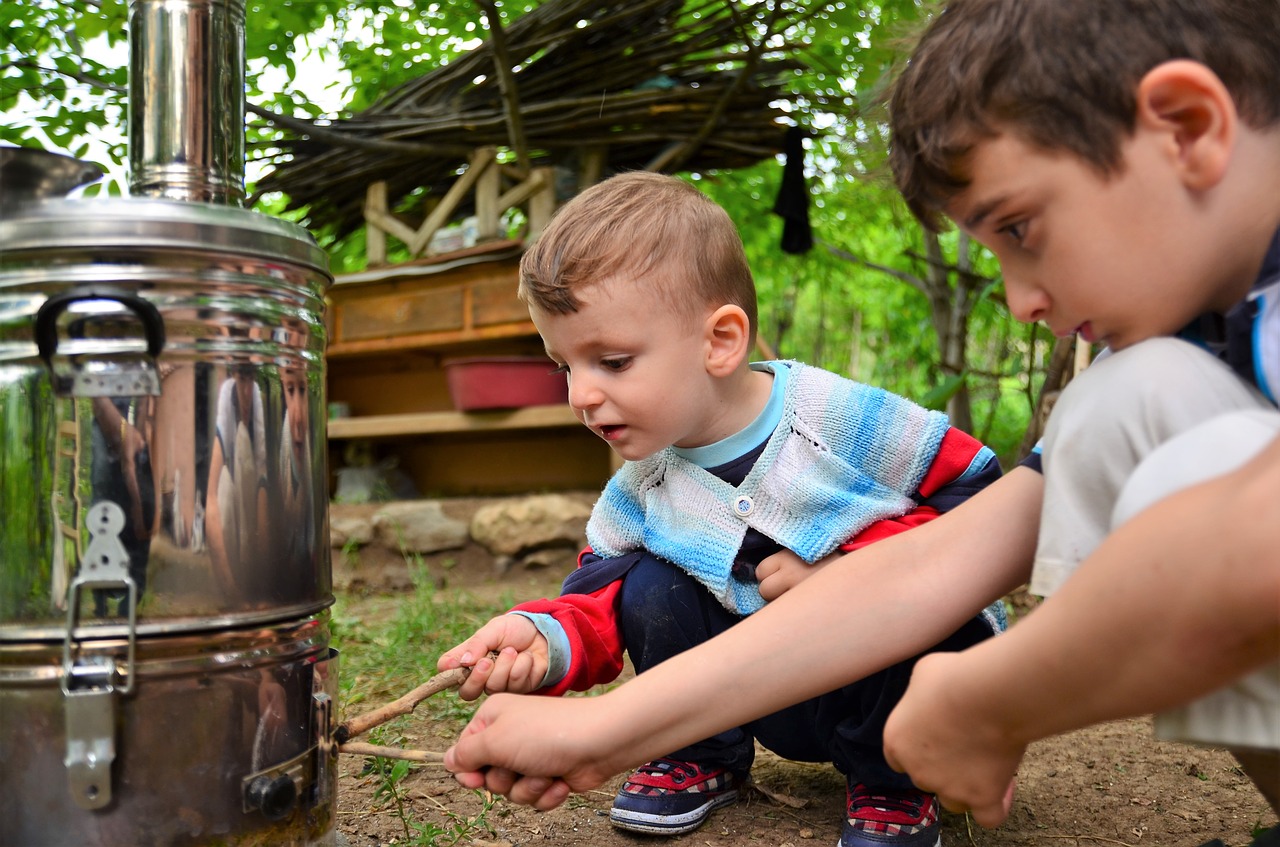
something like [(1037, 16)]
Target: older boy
[(1126, 190), (641, 292), (1149, 129)]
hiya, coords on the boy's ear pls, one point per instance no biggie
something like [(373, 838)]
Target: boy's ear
[(1190, 102), (728, 333)]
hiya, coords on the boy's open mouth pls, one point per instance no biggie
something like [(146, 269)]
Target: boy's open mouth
[(611, 431)]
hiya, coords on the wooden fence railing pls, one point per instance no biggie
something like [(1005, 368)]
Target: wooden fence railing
[(497, 187)]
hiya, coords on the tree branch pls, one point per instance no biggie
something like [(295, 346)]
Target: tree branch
[(748, 68), (340, 139), (910, 279), (78, 77), (359, 748), (506, 82)]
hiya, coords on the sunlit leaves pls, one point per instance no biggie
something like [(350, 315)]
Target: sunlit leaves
[(62, 62)]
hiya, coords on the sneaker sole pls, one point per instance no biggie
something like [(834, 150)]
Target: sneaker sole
[(937, 843), (670, 824)]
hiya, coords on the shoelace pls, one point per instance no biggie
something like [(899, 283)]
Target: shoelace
[(909, 803), (662, 767)]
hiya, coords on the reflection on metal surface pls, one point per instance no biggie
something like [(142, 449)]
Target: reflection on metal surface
[(208, 711), (28, 174), (221, 475), (165, 674)]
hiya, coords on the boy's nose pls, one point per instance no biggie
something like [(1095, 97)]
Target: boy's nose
[(1028, 302), (583, 393)]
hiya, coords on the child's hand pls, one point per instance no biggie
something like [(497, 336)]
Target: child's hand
[(946, 748), (781, 572), (536, 750), (520, 664)]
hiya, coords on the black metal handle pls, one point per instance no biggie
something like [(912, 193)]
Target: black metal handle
[(46, 328)]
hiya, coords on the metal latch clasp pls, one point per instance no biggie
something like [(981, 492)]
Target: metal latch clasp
[(91, 746), (89, 683)]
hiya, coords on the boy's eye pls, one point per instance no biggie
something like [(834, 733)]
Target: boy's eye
[(560, 369), (619, 364), (1016, 230)]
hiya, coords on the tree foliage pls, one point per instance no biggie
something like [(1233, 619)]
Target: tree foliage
[(876, 298)]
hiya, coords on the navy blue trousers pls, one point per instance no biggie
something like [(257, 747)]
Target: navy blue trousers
[(665, 611)]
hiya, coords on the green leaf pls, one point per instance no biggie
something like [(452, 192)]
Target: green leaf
[(941, 394)]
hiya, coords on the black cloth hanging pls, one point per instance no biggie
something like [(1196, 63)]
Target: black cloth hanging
[(792, 202)]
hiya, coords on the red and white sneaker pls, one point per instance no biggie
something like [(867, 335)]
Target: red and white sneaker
[(668, 797), (883, 817)]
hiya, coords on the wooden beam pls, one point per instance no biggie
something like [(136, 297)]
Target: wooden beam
[(517, 194), (591, 160), (488, 186), (542, 205), (429, 340), (481, 158), (438, 423)]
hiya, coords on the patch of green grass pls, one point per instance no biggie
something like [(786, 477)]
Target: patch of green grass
[(391, 773), (456, 828), (391, 645), (351, 552)]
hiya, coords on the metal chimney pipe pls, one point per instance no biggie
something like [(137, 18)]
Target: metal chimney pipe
[(186, 100)]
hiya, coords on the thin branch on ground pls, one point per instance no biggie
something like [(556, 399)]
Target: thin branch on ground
[(359, 748)]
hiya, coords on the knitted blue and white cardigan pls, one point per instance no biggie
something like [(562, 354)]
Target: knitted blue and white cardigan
[(843, 456)]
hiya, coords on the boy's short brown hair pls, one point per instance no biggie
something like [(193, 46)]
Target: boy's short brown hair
[(1063, 74), (659, 230)]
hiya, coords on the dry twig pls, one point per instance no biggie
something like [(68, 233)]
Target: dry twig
[(403, 706), (359, 748)]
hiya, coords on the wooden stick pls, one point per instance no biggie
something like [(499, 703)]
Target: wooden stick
[(359, 748), (406, 704)]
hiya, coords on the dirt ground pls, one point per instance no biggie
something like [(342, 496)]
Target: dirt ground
[(1112, 784)]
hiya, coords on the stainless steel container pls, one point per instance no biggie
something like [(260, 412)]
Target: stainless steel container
[(165, 670), (226, 738), (167, 357)]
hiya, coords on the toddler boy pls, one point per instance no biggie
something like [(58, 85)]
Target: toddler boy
[(641, 292)]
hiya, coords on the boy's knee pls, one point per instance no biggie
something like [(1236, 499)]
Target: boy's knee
[(653, 589), (1142, 396), (1215, 447)]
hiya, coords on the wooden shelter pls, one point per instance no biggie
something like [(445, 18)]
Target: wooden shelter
[(451, 174)]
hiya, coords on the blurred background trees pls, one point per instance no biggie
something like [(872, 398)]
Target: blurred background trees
[(875, 297)]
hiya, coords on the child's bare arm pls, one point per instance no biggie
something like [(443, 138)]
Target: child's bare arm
[(519, 666), (860, 614)]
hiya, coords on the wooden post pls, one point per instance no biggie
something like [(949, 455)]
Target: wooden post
[(375, 238), (1084, 355), (591, 165), (542, 205), (488, 186)]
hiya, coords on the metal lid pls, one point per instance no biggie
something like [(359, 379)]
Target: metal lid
[(143, 223)]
